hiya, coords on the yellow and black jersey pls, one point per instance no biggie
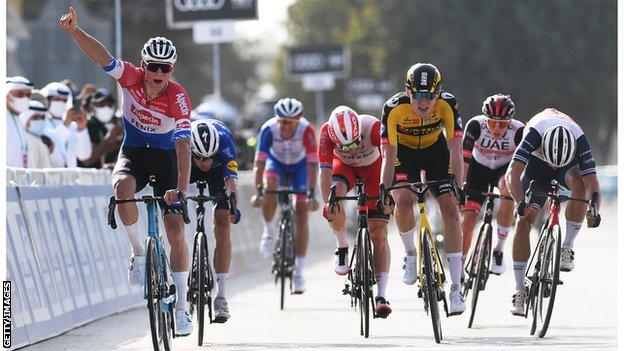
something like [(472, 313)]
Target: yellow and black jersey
[(401, 126)]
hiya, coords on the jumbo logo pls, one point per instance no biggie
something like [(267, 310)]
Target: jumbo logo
[(144, 116), (181, 102)]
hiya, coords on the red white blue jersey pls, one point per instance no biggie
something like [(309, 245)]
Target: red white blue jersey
[(155, 123), (287, 151)]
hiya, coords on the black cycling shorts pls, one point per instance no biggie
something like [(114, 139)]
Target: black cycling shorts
[(140, 163), (215, 182), (542, 173), (480, 177), (434, 160)]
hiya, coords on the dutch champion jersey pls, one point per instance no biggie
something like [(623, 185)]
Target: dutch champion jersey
[(155, 123), (532, 139), (287, 151), (365, 154), (487, 150)]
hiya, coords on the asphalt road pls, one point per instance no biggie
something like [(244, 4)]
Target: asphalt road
[(584, 318)]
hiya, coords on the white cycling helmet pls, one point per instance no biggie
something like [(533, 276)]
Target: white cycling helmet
[(288, 108), (159, 49), (205, 138), (345, 126), (558, 146)]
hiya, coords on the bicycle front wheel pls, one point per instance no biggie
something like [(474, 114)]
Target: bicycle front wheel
[(200, 279), (365, 281), (153, 295), (483, 267), (549, 279), (430, 286)]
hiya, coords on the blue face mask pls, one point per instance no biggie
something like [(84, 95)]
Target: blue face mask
[(36, 127)]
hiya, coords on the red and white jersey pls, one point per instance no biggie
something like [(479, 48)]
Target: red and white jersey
[(287, 151), (484, 148), (154, 123), (365, 154)]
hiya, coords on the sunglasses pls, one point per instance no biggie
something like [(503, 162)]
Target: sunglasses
[(492, 123), (291, 121), (154, 67), (348, 147), (424, 95), (200, 158), (20, 94)]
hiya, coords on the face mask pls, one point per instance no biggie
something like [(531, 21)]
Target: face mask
[(36, 127), (57, 108), (20, 104), (104, 114)]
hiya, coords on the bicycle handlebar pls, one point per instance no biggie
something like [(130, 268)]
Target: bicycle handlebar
[(421, 187), (112, 202), (488, 194), (285, 192), (231, 199), (557, 197)]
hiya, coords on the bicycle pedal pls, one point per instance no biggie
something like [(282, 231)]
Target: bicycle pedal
[(420, 295), (346, 290), (495, 273)]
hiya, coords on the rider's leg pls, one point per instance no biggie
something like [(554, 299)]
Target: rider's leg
[(504, 218), (223, 248), (404, 217), (269, 206), (302, 232), (452, 237), (575, 211), (174, 226), (381, 252), (125, 187), (469, 222), (338, 222)]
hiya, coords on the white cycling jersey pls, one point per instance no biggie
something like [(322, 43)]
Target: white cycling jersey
[(487, 150)]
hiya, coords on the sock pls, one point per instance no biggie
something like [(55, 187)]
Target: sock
[(382, 281), (269, 229), (221, 279), (341, 238), (132, 231), (455, 266), (408, 242), (519, 268), (502, 235), (572, 229), (181, 281), (299, 265)]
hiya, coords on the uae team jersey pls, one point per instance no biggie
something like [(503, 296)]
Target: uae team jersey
[(487, 150), (302, 145), (155, 123), (365, 154)]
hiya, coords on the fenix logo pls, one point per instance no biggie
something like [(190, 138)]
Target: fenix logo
[(144, 116), (181, 102)]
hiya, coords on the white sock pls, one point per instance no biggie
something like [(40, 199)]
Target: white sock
[(269, 229), (181, 281), (132, 231), (221, 279), (408, 242), (502, 235), (455, 266), (341, 238), (382, 281), (519, 268), (572, 229), (299, 265)]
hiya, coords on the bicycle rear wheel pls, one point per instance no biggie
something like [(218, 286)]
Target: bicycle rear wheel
[(200, 280), (283, 260), (154, 298), (483, 267), (430, 289), (365, 281), (549, 279)]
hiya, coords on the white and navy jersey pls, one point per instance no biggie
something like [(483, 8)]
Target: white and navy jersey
[(302, 145), (480, 145), (537, 126)]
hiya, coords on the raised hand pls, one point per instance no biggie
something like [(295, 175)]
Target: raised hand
[(69, 21)]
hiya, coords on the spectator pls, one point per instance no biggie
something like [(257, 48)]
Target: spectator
[(18, 90), (39, 147), (105, 131)]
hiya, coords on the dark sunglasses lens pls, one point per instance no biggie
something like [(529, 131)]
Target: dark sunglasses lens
[(153, 67)]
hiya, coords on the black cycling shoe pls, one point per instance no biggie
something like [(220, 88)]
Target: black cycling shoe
[(382, 307)]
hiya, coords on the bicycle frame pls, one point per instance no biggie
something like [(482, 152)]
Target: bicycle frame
[(424, 224)]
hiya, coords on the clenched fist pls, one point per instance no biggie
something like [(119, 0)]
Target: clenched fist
[(69, 21)]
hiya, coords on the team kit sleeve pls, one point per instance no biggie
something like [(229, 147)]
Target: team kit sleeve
[(227, 149), (375, 135), (452, 120), (180, 109), (325, 148), (388, 131), (586, 161), (309, 142), (530, 142), (264, 143), (471, 135), (125, 73)]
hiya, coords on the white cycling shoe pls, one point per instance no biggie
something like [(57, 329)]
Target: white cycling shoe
[(567, 260), (457, 305), (136, 270), (299, 285), (222, 313), (497, 266), (184, 326), (409, 270), (341, 266), (266, 245), (518, 304)]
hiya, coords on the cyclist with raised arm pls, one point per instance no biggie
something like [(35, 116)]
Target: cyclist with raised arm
[(553, 147), (286, 146), (490, 140), (156, 113), (214, 161), (349, 149), (412, 140)]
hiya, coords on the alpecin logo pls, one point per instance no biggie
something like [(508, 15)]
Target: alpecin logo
[(181, 102), (183, 124), (144, 116)]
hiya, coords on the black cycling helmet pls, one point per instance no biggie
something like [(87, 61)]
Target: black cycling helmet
[(423, 77), (498, 107)]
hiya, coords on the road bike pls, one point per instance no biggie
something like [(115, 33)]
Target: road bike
[(361, 275), (201, 278), (478, 265), (542, 273), (158, 288)]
